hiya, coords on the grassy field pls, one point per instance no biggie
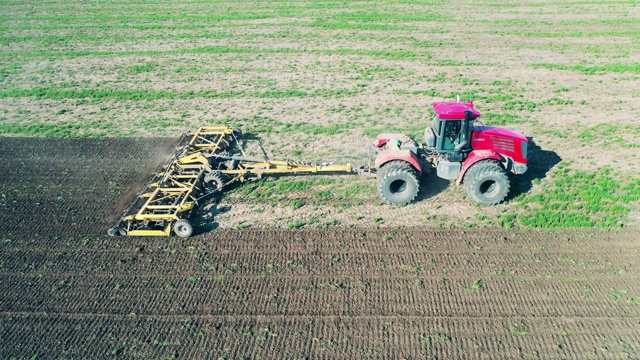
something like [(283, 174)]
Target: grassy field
[(318, 79)]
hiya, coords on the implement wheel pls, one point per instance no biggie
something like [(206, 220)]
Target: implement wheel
[(214, 181), (116, 231), (183, 228), (398, 183), (487, 183)]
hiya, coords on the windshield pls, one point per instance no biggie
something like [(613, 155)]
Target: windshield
[(436, 125)]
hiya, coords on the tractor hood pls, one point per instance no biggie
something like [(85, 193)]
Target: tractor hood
[(507, 143), (488, 131)]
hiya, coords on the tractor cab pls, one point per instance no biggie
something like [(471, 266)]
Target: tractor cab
[(450, 133)]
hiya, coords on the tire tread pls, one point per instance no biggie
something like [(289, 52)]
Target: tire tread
[(478, 172)]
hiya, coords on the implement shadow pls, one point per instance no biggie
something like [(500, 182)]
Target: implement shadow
[(203, 219), (539, 164)]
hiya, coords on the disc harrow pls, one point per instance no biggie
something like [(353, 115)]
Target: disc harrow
[(204, 163)]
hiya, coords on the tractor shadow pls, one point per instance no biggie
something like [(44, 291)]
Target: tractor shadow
[(431, 185), (540, 163)]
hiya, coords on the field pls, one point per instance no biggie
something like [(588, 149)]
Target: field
[(94, 94), (318, 80), (69, 291)]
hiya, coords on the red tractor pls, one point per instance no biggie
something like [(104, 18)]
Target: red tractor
[(477, 156)]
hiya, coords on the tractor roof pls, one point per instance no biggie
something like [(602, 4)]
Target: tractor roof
[(454, 110)]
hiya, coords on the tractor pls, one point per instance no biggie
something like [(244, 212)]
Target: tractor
[(479, 157)]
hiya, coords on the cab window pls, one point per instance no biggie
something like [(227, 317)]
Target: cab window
[(451, 136), (436, 124)]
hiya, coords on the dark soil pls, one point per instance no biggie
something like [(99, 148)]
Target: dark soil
[(67, 290)]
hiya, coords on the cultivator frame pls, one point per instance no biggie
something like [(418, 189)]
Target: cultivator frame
[(204, 163)]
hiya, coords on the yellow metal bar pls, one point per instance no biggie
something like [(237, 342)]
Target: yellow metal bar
[(220, 129), (164, 232), (162, 198), (283, 168), (194, 176), (194, 158), (179, 183), (211, 130), (186, 205), (178, 190), (156, 217), (148, 202)]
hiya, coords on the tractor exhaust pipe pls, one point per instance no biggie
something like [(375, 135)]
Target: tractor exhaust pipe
[(464, 131)]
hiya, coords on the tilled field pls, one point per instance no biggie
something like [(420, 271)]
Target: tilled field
[(68, 291)]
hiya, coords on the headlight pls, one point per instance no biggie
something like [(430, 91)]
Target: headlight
[(524, 149), (519, 168)]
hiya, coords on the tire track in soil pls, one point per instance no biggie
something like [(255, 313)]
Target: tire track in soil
[(391, 337), (342, 296), (67, 290)]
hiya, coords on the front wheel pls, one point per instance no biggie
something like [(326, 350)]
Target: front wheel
[(398, 185), (487, 183)]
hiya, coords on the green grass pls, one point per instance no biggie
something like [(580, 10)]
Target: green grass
[(296, 204), (314, 78), (501, 119), (610, 135), (88, 129), (578, 198), (300, 223), (59, 93), (381, 53), (593, 69)]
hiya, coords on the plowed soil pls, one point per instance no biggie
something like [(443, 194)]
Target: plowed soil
[(67, 290)]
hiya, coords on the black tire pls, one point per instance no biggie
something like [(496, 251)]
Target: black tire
[(183, 228), (391, 165), (399, 184), (116, 231), (487, 183), (214, 181)]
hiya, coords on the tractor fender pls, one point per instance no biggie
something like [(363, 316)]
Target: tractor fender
[(384, 138), (474, 157), (397, 154)]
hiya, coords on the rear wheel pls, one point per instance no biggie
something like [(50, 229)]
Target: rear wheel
[(393, 165), (398, 183), (183, 228), (487, 183)]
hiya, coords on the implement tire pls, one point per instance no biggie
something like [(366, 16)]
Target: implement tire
[(398, 183), (214, 181), (487, 183), (116, 231), (183, 228)]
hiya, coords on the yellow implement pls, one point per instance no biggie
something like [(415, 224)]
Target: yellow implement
[(206, 160)]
